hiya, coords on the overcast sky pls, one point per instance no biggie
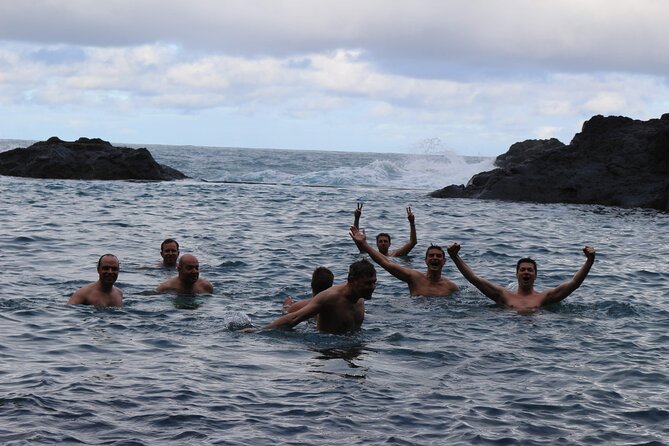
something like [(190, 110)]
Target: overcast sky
[(471, 76)]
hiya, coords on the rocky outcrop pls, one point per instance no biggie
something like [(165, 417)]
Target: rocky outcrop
[(613, 161), (84, 159)]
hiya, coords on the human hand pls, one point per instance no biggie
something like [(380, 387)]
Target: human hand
[(357, 235), (453, 249), (410, 216), (358, 210), (589, 252)]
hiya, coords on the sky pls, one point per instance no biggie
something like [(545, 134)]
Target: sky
[(410, 76)]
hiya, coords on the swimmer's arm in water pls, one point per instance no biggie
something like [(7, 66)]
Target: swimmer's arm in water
[(564, 290), (413, 239), (489, 289), (311, 309), (400, 272)]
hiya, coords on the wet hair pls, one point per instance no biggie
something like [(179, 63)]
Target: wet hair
[(107, 255), (383, 234), (166, 241), (321, 279), (526, 260), (435, 247), (361, 268)]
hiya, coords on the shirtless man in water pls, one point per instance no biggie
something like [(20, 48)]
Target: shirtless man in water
[(339, 309), (526, 298), (383, 239), (188, 280), (102, 293), (321, 279), (429, 283), (169, 251)]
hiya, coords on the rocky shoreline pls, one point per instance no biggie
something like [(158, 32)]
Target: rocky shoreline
[(84, 159), (613, 161)]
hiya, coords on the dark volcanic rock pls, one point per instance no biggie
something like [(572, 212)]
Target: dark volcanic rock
[(84, 159), (614, 161)]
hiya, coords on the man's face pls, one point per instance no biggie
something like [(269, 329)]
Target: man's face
[(526, 274), (169, 253), (383, 244), (189, 270), (434, 259), (108, 270), (364, 286)]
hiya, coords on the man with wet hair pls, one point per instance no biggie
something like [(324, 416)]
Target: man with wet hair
[(383, 239), (102, 293), (429, 283), (525, 298), (321, 279), (169, 251), (338, 309), (188, 280)]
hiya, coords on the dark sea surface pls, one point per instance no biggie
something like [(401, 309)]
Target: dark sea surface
[(423, 371)]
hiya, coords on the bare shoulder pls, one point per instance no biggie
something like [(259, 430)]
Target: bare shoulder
[(206, 286), (167, 285), (80, 296)]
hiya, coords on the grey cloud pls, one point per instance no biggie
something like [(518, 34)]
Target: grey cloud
[(426, 38)]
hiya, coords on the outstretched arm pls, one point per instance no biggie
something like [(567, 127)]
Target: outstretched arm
[(413, 239), (400, 272), (490, 289), (562, 291), (312, 308)]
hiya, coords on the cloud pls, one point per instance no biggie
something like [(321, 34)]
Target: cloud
[(433, 36), (476, 73)]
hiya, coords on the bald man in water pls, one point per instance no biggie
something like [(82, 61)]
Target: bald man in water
[(526, 298), (102, 293), (188, 280)]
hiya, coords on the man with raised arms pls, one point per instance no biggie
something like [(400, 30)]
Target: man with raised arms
[(169, 251), (429, 283), (188, 280), (526, 297), (321, 279), (102, 293), (383, 239), (340, 308)]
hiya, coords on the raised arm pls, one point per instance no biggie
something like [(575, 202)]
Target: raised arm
[(562, 291), (400, 272), (356, 215), (356, 222), (490, 289), (413, 239)]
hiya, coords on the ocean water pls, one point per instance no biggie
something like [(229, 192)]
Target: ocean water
[(422, 371)]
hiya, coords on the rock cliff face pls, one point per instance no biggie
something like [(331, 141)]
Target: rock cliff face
[(84, 159), (613, 161)]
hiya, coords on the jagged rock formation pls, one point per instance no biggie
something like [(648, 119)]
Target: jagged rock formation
[(84, 159), (613, 161)]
